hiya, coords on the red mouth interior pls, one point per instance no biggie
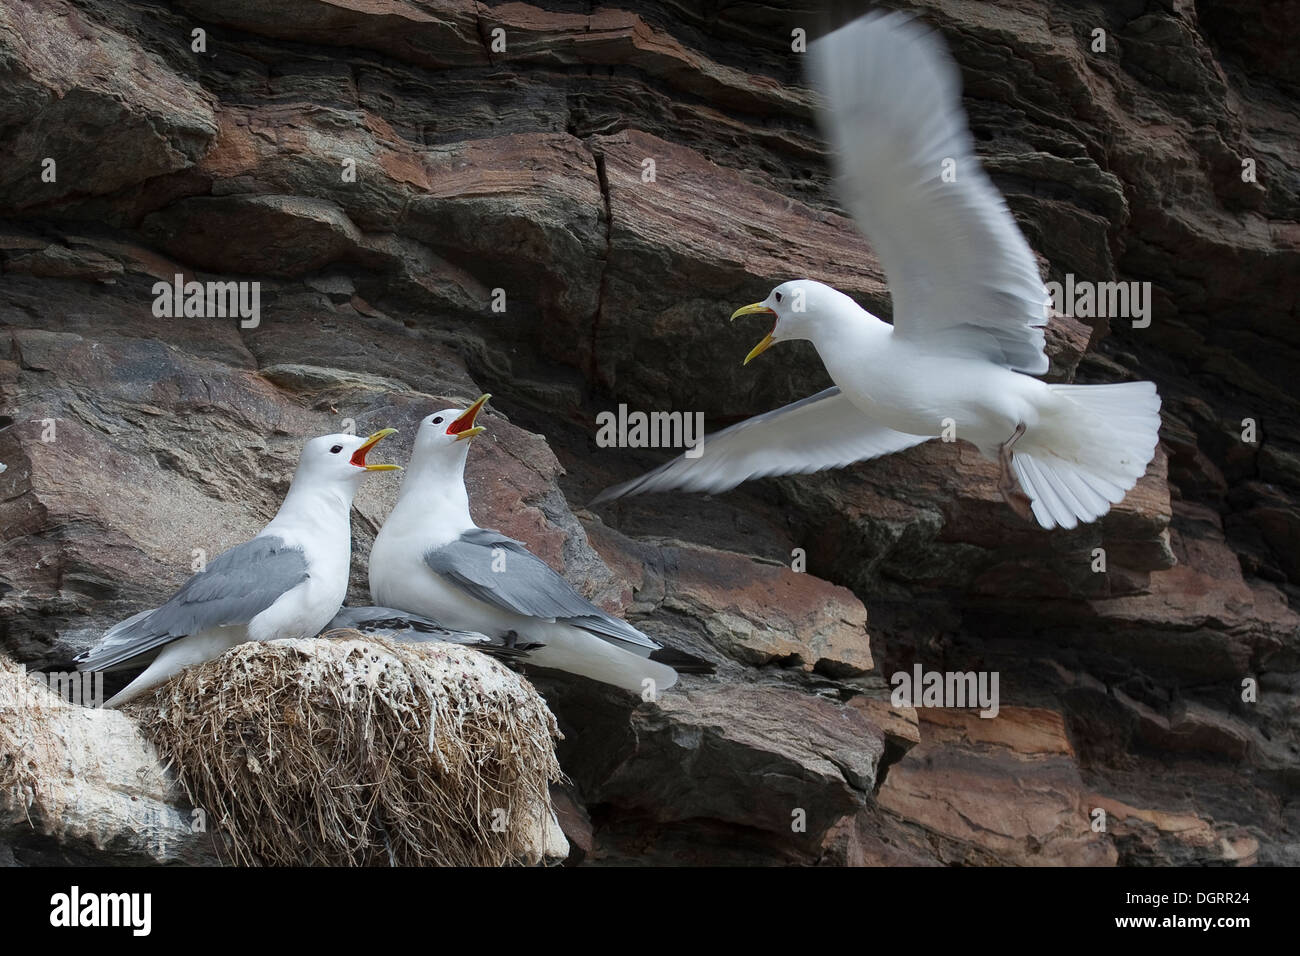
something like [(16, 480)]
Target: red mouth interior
[(465, 421), (359, 456)]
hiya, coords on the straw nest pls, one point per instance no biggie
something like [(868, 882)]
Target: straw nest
[(353, 750)]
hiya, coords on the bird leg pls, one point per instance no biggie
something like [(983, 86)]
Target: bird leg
[(1007, 484)]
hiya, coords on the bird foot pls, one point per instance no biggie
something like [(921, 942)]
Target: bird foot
[(1020, 503), (1007, 484)]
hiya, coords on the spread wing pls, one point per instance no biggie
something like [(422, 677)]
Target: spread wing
[(501, 571), (236, 586), (822, 431), (960, 272)]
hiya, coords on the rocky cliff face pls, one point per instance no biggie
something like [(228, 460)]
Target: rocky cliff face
[(621, 178)]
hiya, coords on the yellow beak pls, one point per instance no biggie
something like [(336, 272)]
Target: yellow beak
[(463, 427), (759, 349), (359, 456), (758, 308)]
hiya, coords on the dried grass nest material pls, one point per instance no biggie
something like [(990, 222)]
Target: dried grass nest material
[(352, 751)]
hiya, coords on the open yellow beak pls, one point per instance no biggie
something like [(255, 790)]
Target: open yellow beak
[(758, 308), (759, 349), (463, 427), (359, 456)]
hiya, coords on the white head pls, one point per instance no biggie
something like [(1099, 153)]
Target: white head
[(433, 494), (443, 439), (339, 460), (803, 309)]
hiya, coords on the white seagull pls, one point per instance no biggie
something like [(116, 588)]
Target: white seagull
[(969, 308), (430, 558), (286, 582)]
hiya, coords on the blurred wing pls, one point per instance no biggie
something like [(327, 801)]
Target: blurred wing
[(959, 270), (822, 431), (236, 586), (501, 571)]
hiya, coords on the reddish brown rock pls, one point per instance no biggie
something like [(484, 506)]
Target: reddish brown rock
[(1001, 790), (518, 176), (755, 612), (1149, 835), (70, 83), (699, 752)]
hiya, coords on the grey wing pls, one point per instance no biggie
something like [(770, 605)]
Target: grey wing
[(236, 586), (825, 430), (500, 571), (960, 273), (415, 628)]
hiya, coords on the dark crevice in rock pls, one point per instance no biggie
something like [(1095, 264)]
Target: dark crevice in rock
[(594, 373)]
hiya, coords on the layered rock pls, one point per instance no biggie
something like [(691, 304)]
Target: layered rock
[(565, 221)]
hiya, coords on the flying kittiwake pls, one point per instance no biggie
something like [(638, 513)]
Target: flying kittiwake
[(431, 559), (969, 311), (286, 582)]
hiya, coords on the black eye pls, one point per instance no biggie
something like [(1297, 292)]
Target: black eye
[(438, 420), (336, 449), (778, 297)]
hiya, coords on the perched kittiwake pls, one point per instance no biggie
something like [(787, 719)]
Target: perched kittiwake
[(430, 558), (412, 628), (286, 582), (969, 311)]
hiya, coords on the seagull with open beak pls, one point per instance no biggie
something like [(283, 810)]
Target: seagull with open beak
[(287, 581), (967, 339), (430, 558)]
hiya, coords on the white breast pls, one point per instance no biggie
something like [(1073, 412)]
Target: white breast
[(303, 610)]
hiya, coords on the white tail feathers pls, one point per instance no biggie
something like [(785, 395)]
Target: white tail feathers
[(1100, 444), (178, 655), (572, 649)]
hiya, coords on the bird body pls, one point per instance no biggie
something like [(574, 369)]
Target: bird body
[(909, 388), (430, 558), (314, 520), (1082, 447), (969, 311), (285, 582)]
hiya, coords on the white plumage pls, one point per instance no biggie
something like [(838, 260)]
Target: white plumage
[(287, 581), (969, 311), (431, 559)]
